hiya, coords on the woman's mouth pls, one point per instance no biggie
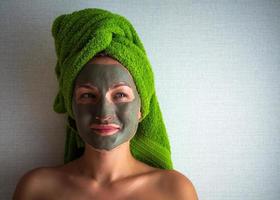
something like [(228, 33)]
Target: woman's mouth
[(105, 129)]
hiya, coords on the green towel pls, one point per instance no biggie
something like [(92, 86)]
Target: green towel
[(79, 36)]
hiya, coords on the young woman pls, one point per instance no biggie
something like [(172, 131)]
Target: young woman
[(116, 146)]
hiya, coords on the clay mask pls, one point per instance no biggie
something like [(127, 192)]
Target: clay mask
[(105, 105)]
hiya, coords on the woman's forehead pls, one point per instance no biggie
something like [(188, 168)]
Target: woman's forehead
[(104, 75), (106, 60)]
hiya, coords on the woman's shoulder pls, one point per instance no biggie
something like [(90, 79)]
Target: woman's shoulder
[(39, 174), (171, 184), (176, 184), (34, 181)]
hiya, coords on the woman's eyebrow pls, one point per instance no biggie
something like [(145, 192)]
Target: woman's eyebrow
[(90, 86), (119, 84), (87, 85)]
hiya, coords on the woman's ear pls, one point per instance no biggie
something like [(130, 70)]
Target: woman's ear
[(139, 115)]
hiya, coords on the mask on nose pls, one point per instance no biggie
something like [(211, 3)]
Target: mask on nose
[(106, 105)]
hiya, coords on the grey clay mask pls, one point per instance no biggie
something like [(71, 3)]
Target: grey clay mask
[(97, 102)]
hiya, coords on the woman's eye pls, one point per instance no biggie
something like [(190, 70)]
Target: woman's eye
[(87, 95), (120, 95)]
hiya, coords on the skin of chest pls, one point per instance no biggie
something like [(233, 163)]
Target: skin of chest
[(139, 187)]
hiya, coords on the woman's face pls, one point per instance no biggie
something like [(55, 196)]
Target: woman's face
[(106, 104)]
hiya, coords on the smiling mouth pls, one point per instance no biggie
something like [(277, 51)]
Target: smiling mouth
[(105, 130)]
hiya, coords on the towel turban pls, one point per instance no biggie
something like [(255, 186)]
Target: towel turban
[(81, 35)]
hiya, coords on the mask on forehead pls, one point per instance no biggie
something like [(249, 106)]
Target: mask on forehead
[(106, 105)]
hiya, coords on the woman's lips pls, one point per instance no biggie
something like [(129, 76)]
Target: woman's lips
[(105, 130)]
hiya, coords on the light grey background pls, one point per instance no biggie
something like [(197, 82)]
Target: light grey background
[(217, 73)]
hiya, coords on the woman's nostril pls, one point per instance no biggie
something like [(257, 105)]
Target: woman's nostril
[(108, 117)]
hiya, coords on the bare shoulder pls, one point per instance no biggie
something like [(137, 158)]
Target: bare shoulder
[(32, 183), (177, 185)]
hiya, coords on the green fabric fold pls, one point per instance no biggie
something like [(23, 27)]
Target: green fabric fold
[(79, 36)]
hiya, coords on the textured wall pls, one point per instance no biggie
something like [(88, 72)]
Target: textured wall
[(217, 77)]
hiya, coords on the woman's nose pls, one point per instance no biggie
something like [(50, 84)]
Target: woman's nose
[(105, 112)]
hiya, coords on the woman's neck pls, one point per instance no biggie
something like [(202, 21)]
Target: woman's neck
[(107, 166)]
